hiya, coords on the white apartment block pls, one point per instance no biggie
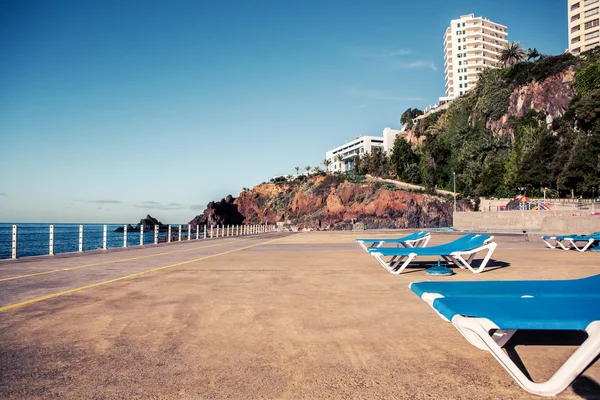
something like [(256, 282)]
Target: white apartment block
[(584, 21), (470, 44), (342, 157)]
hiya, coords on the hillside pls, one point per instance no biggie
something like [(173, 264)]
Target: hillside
[(533, 125), (332, 202)]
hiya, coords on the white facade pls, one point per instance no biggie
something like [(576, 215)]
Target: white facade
[(584, 25), (470, 45), (342, 158)]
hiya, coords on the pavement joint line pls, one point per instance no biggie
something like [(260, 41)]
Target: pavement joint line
[(10, 278), (74, 290)]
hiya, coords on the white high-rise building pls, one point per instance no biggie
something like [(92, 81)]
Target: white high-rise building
[(584, 25), (470, 44)]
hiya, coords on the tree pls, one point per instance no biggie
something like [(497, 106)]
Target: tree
[(511, 54), (409, 115), (402, 158), (297, 170), (326, 162), (307, 169), (533, 54)]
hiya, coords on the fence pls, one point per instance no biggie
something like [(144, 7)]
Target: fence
[(36, 239)]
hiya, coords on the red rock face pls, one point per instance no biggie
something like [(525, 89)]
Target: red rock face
[(552, 96), (336, 206)]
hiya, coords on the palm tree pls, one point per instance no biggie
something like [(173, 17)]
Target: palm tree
[(339, 157), (533, 54), (297, 170), (511, 54), (326, 162), (307, 169)]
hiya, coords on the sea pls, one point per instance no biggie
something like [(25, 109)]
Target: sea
[(34, 239)]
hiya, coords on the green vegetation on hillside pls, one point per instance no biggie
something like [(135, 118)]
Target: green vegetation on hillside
[(564, 157)]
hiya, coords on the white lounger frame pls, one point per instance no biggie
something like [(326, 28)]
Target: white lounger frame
[(485, 335), (397, 264), (570, 243), (420, 242)]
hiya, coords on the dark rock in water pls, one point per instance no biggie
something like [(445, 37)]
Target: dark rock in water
[(148, 223), (224, 212)]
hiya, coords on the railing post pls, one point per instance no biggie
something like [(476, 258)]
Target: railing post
[(141, 235), (223, 230), (179, 239), (211, 231), (14, 241), (169, 239), (51, 242), (205, 231), (125, 235), (104, 237), (189, 231), (80, 238), (155, 234), (197, 231)]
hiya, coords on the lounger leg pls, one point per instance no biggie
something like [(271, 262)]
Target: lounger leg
[(409, 258), (548, 243), (562, 246), (477, 329), (490, 250), (584, 248)]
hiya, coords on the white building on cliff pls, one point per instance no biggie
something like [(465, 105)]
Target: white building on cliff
[(342, 158)]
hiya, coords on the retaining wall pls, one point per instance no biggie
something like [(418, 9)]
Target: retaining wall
[(551, 222)]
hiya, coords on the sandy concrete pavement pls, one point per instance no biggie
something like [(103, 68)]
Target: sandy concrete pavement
[(307, 315)]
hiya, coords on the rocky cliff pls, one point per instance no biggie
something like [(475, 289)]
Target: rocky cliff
[(330, 203)]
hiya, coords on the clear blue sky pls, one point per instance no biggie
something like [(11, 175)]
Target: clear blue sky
[(110, 110)]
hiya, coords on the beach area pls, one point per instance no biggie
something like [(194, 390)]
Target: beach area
[(279, 315)]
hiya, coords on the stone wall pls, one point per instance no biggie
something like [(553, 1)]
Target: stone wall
[(505, 220)]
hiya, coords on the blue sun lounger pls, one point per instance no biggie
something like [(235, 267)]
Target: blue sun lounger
[(454, 252), (429, 291), (416, 239), (489, 322), (580, 243)]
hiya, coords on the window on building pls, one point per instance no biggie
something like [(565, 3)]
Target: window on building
[(458, 40), (592, 24), (575, 28), (460, 63), (460, 47), (466, 85), (588, 2), (575, 6), (592, 35), (460, 86), (591, 12), (575, 17), (464, 24), (464, 32), (460, 78), (461, 93), (575, 40)]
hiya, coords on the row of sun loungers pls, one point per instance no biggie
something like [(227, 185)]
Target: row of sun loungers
[(489, 313)]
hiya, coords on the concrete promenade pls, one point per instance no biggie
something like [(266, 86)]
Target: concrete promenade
[(279, 315)]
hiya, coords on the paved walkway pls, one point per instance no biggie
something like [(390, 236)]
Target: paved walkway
[(305, 315)]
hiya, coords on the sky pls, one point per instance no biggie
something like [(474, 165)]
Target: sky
[(111, 110)]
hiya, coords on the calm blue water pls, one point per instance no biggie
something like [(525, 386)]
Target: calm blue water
[(34, 239)]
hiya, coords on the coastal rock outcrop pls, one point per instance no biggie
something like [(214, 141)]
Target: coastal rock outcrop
[(219, 213), (148, 223)]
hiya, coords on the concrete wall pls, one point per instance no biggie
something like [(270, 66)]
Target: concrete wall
[(568, 225), (513, 220)]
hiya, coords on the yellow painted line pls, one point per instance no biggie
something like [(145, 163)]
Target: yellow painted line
[(54, 295), (10, 278)]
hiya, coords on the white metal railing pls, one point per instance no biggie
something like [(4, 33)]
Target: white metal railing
[(215, 231)]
